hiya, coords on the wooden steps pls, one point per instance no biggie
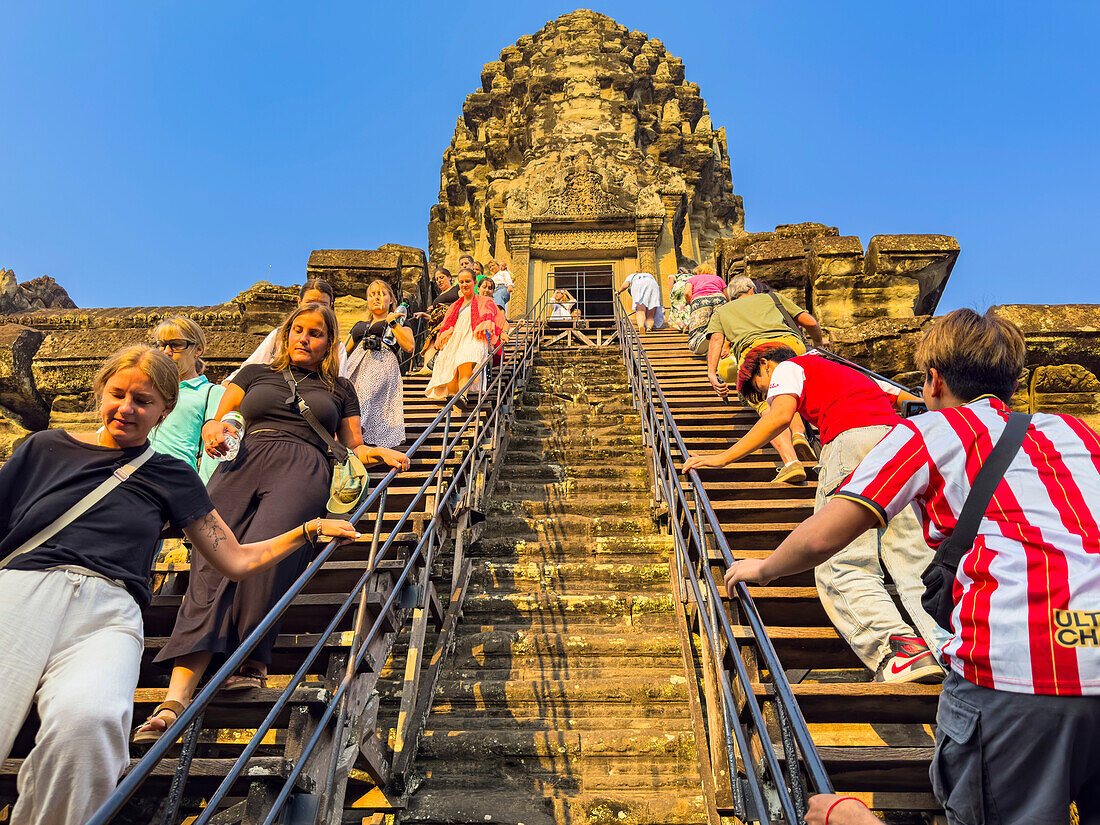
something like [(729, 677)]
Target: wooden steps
[(875, 740)]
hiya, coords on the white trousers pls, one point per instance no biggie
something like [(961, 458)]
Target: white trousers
[(72, 643), (851, 584)]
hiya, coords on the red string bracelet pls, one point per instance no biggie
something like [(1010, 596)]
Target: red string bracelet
[(838, 801)]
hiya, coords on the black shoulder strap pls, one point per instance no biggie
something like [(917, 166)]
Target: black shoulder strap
[(338, 449), (791, 322), (958, 544)]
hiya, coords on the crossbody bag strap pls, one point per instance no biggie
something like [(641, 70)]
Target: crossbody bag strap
[(787, 318), (80, 508), (958, 544), (338, 449)]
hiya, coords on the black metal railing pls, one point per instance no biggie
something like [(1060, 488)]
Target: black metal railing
[(760, 789), (481, 431)]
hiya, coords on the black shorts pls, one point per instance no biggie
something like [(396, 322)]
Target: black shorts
[(1006, 758)]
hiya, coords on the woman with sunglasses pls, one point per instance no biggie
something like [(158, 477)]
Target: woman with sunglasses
[(180, 434)]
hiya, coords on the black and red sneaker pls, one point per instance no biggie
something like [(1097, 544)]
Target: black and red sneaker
[(911, 661)]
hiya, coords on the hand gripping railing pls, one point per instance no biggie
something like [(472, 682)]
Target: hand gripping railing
[(497, 398), (760, 790)]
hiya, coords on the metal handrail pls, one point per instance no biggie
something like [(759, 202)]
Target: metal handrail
[(517, 355), (695, 529)]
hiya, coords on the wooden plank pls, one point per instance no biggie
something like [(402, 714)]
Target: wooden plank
[(402, 762)]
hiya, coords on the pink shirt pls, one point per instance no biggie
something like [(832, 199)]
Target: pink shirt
[(703, 285)]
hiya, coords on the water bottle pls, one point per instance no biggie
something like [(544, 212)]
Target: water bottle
[(232, 438), (402, 312)]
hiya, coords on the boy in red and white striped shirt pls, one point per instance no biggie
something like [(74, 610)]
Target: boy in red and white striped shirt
[(1019, 717)]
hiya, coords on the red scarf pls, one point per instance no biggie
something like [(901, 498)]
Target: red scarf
[(482, 308)]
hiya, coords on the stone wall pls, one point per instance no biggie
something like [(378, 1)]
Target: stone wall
[(900, 276)]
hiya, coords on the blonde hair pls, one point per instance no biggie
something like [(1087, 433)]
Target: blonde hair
[(153, 363), (974, 354), (183, 327), (703, 269), (387, 287), (330, 364)]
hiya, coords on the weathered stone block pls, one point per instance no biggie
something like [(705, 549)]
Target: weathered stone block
[(806, 232), (835, 268), (917, 266), (1068, 389), (350, 271), (19, 398), (1065, 334), (783, 264), (886, 345)]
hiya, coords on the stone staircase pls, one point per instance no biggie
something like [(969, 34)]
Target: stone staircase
[(565, 700)]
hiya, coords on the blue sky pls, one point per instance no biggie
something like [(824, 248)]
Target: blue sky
[(175, 153)]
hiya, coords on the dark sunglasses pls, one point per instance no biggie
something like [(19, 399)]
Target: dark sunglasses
[(174, 344)]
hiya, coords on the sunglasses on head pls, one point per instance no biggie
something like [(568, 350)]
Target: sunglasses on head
[(174, 344)]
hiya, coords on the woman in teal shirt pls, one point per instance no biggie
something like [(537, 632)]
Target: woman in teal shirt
[(180, 434)]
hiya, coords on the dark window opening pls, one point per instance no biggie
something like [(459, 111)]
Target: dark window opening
[(591, 286)]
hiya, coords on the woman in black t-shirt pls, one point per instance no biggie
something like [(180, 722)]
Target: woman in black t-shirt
[(70, 608), (281, 475)]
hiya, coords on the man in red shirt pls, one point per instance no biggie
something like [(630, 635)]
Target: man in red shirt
[(1018, 726), (851, 413)]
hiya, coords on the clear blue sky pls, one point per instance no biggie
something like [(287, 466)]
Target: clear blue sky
[(175, 153)]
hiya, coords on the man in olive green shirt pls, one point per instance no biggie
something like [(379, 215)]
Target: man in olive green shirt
[(747, 320)]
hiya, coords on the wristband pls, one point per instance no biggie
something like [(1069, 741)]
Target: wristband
[(838, 801)]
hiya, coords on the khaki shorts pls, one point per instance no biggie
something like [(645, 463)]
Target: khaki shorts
[(728, 368)]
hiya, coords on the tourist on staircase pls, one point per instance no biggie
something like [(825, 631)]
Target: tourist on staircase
[(745, 321), (563, 306), (463, 341), (852, 413), (645, 300), (448, 294), (486, 288), (374, 368), (180, 434), (503, 284), (313, 291), (73, 585), (678, 305), (704, 293), (279, 478), (1016, 574)]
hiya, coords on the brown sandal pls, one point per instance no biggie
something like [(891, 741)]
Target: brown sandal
[(144, 735), (247, 678)]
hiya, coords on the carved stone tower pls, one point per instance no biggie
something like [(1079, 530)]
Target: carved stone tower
[(585, 151)]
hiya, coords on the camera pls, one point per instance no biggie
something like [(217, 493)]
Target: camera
[(372, 342)]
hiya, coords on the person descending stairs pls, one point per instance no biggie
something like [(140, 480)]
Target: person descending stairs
[(565, 700)]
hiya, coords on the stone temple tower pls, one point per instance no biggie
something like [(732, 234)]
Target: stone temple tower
[(584, 156)]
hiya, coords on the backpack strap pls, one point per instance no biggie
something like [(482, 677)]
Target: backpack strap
[(951, 551), (80, 508), (338, 449), (787, 319)]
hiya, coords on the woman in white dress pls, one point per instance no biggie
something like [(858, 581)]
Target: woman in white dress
[(462, 340), (645, 298)]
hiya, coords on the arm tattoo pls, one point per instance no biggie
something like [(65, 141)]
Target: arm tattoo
[(213, 532)]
